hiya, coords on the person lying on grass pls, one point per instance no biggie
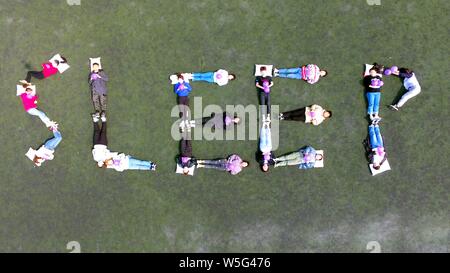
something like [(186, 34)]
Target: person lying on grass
[(373, 84), (265, 155), (48, 69), (264, 83), (378, 155), (411, 85), (221, 77), (113, 160), (186, 160), (220, 121), (314, 114), (99, 92), (233, 164), (305, 158), (29, 100), (310, 73), (46, 151)]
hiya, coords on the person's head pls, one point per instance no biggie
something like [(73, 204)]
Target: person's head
[(37, 161), (107, 163), (373, 72), (95, 67), (265, 167), (28, 90), (180, 78), (405, 70), (231, 77), (264, 71), (236, 120), (379, 68), (327, 114), (185, 170), (319, 157), (323, 73), (376, 166), (244, 164)]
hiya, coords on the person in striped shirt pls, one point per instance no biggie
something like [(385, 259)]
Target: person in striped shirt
[(310, 73)]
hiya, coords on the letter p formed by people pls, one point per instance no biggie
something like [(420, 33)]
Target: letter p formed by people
[(73, 2), (374, 2)]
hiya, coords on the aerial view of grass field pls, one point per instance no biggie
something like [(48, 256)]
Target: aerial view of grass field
[(338, 208)]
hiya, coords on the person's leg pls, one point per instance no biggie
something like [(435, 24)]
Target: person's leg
[(378, 136), (102, 138), (373, 137), (96, 101), (297, 115), (295, 70), (408, 95), (203, 76), (51, 144), (186, 147), (262, 101), (40, 114), (370, 102), (35, 74), (136, 164), (217, 166), (96, 138), (183, 104), (376, 103), (103, 103), (265, 140), (288, 160)]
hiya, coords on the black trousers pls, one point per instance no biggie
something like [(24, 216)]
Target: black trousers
[(186, 147), (35, 74), (100, 134), (183, 104), (264, 99), (297, 115)]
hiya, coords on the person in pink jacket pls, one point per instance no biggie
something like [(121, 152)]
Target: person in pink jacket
[(48, 69), (29, 101)]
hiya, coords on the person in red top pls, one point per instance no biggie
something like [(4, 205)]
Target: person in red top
[(47, 70), (29, 101)]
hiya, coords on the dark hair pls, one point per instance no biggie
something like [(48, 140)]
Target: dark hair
[(405, 70), (95, 64), (179, 76), (263, 68), (378, 67), (28, 88), (331, 113), (377, 167), (57, 62), (326, 73), (234, 76), (64, 60)]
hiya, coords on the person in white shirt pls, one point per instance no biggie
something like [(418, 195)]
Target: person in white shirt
[(313, 114), (107, 159), (411, 85), (221, 77), (46, 151)]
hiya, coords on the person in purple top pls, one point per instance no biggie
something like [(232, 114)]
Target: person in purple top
[(220, 120), (233, 164)]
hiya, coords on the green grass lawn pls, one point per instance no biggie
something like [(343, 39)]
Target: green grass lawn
[(336, 209)]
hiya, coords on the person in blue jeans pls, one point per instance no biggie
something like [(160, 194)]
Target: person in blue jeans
[(378, 156), (121, 162), (373, 84), (45, 152), (221, 77)]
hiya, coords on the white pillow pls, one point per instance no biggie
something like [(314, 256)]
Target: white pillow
[(180, 170), (258, 67), (174, 78), (93, 61), (321, 163), (20, 89), (384, 167), (31, 154), (368, 67), (62, 67)]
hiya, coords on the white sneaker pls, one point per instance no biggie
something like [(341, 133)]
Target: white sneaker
[(393, 107), (103, 118)]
